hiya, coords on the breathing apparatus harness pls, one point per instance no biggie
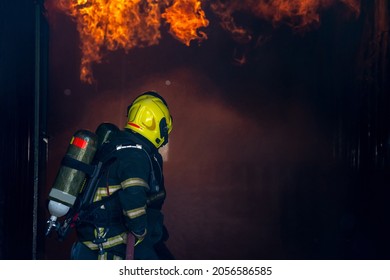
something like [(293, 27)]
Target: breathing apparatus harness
[(85, 209)]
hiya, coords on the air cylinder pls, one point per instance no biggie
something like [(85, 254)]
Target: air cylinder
[(69, 180)]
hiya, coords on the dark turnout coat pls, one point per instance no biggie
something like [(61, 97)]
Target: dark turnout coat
[(128, 200)]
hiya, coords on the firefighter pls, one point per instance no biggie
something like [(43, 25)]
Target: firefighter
[(129, 198)]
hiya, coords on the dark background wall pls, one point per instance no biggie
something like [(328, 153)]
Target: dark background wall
[(284, 157), (23, 66)]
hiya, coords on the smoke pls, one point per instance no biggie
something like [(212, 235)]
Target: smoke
[(106, 26), (250, 154)]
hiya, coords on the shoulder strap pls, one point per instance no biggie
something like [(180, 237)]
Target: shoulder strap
[(78, 165), (85, 197)]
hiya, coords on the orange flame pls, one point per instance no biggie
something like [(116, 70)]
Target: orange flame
[(185, 17), (298, 14), (107, 25), (113, 24)]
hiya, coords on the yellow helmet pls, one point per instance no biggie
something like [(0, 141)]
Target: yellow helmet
[(149, 116)]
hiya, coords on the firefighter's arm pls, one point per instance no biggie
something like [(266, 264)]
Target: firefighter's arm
[(133, 200), (134, 172)]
